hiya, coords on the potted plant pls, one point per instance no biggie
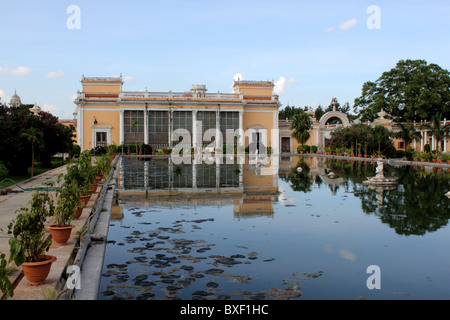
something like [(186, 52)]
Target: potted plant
[(29, 241), (67, 201), (81, 173)]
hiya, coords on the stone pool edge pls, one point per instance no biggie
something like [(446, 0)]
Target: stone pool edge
[(93, 247)]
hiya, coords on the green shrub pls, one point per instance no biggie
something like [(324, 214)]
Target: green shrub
[(313, 149), (303, 148), (399, 154), (75, 151), (147, 149)]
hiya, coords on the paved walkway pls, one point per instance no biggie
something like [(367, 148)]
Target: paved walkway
[(13, 201)]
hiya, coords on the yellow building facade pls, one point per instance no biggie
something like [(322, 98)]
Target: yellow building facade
[(322, 128), (108, 115)]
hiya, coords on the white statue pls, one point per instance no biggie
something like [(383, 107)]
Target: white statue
[(379, 169)]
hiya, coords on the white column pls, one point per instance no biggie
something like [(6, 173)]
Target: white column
[(422, 140), (80, 127), (194, 131), (122, 127), (445, 139), (170, 127), (218, 133), (241, 128), (145, 126)]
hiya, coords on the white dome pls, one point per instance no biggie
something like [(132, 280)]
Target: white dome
[(15, 100)]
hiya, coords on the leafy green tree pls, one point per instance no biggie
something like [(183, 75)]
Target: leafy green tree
[(319, 112), (16, 144), (301, 123), (289, 112), (413, 90), (372, 140)]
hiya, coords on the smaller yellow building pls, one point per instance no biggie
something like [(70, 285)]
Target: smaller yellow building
[(322, 128)]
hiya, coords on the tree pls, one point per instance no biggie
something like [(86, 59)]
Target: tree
[(413, 90), (319, 112), (289, 112), (35, 138), (16, 144), (301, 123), (438, 131), (372, 140)]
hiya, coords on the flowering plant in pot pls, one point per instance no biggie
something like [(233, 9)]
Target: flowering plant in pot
[(29, 241)]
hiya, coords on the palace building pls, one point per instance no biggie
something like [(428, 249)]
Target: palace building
[(106, 114)]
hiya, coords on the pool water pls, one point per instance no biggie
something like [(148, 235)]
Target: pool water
[(226, 232)]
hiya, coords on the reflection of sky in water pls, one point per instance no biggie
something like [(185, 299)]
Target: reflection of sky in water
[(318, 242)]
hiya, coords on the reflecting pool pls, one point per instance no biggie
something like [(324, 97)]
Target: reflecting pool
[(310, 231)]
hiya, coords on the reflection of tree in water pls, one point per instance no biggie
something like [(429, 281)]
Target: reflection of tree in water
[(417, 205), (299, 180)]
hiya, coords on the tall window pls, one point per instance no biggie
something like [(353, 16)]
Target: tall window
[(158, 128), (208, 119), (134, 121), (134, 126), (182, 120), (158, 121), (230, 121)]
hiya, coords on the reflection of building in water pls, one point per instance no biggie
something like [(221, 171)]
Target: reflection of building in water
[(162, 182), (316, 168)]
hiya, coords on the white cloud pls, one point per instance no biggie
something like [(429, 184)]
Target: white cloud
[(55, 74), (128, 79), (348, 24), (50, 108), (293, 80), (329, 29), (125, 78), (280, 85), (19, 71), (238, 76), (4, 97)]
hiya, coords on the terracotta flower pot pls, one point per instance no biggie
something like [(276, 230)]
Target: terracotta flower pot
[(78, 213), (37, 272), (61, 234), (85, 199), (94, 187)]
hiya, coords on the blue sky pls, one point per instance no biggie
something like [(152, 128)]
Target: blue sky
[(313, 50)]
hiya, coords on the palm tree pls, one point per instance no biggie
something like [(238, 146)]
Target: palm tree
[(35, 137), (438, 131), (301, 123), (407, 133)]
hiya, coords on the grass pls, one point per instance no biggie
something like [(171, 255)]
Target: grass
[(55, 163)]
